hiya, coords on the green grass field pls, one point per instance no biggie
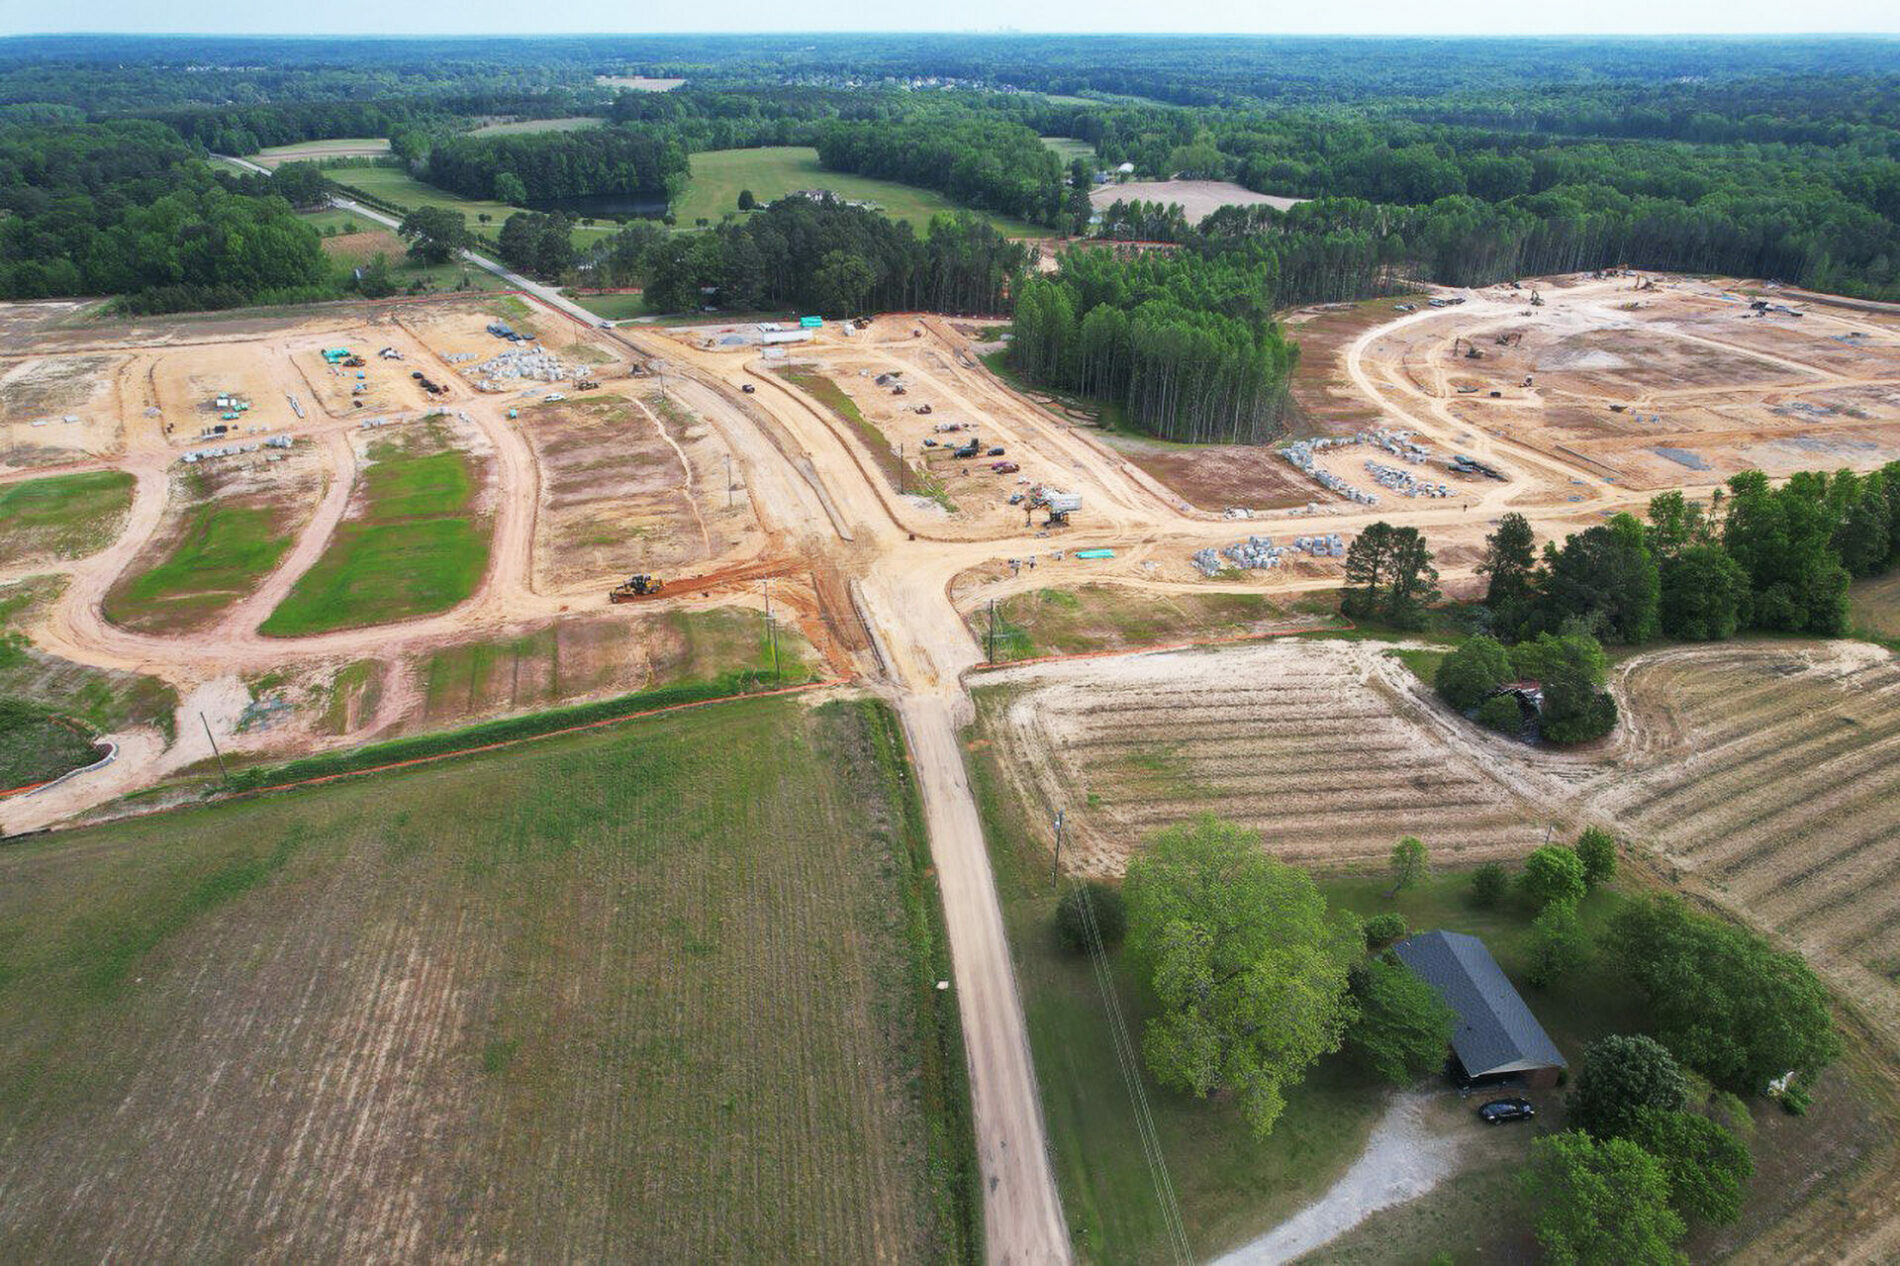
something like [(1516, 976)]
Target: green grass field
[(414, 550), (719, 175), (63, 516), (222, 554), (613, 307), (394, 185), (1068, 148), (660, 992), (1874, 608), (574, 124)]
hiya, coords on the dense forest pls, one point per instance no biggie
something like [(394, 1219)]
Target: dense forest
[(1186, 344), (518, 167), (821, 256), (982, 162), (126, 208)]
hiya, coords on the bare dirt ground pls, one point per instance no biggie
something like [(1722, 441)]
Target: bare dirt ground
[(1196, 198), (865, 573)]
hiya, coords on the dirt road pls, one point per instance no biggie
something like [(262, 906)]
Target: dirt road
[(826, 509)]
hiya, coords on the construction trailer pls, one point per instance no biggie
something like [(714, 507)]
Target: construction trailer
[(1059, 504)]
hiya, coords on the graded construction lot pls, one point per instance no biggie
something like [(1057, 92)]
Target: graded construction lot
[(812, 490), (657, 993), (1196, 198)]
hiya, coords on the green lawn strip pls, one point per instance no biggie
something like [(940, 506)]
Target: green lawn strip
[(1422, 661), (223, 553), (488, 733), (414, 551), (774, 171), (1070, 148), (703, 947), (62, 516), (828, 393), (612, 307)]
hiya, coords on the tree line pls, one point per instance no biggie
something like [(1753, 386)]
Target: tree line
[(125, 208), (817, 255), (1185, 344), (979, 161), (518, 167)]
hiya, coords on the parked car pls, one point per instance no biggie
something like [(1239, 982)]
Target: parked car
[(1498, 1111), (1005, 468), (748, 388), (997, 451)]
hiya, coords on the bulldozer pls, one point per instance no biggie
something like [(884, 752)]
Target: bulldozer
[(636, 587)]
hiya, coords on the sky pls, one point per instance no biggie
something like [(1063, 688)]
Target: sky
[(1264, 17)]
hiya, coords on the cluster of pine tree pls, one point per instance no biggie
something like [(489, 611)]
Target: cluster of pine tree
[(1185, 343)]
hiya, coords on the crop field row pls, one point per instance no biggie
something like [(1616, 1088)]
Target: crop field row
[(646, 994), (1300, 741), (1774, 776)]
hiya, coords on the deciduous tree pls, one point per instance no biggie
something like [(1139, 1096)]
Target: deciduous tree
[(1248, 968)]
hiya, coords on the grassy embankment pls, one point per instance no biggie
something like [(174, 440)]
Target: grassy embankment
[(36, 745), (62, 516), (1069, 621), (898, 473), (1070, 148), (416, 547), (651, 993), (105, 699), (773, 172)]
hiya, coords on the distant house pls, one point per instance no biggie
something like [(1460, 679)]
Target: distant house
[(1495, 1035)]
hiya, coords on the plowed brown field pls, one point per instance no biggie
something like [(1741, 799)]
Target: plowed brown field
[(645, 995)]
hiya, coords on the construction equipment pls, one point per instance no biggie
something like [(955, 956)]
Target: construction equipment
[(1537, 299), (587, 384), (636, 587), (1060, 505), (923, 409), (967, 451), (1511, 339), (1527, 380)]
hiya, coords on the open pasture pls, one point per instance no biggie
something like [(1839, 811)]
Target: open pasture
[(654, 993), (773, 172)]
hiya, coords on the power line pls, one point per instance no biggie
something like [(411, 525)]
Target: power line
[(1128, 1061)]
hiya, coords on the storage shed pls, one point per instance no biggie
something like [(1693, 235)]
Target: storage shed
[(1495, 1036)]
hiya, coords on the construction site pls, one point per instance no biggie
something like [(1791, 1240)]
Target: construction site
[(452, 510)]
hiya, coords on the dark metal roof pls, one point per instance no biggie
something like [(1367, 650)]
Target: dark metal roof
[(1495, 1032)]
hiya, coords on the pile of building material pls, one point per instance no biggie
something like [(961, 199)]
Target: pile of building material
[(1256, 553), (223, 450), (518, 365), (1301, 454), (1462, 465), (1400, 444), (1328, 546), (1399, 480)]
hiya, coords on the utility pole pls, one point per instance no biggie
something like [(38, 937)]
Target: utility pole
[(222, 771), (1055, 866), (771, 630)]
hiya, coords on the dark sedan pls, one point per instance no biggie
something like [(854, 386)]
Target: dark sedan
[(1498, 1111)]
